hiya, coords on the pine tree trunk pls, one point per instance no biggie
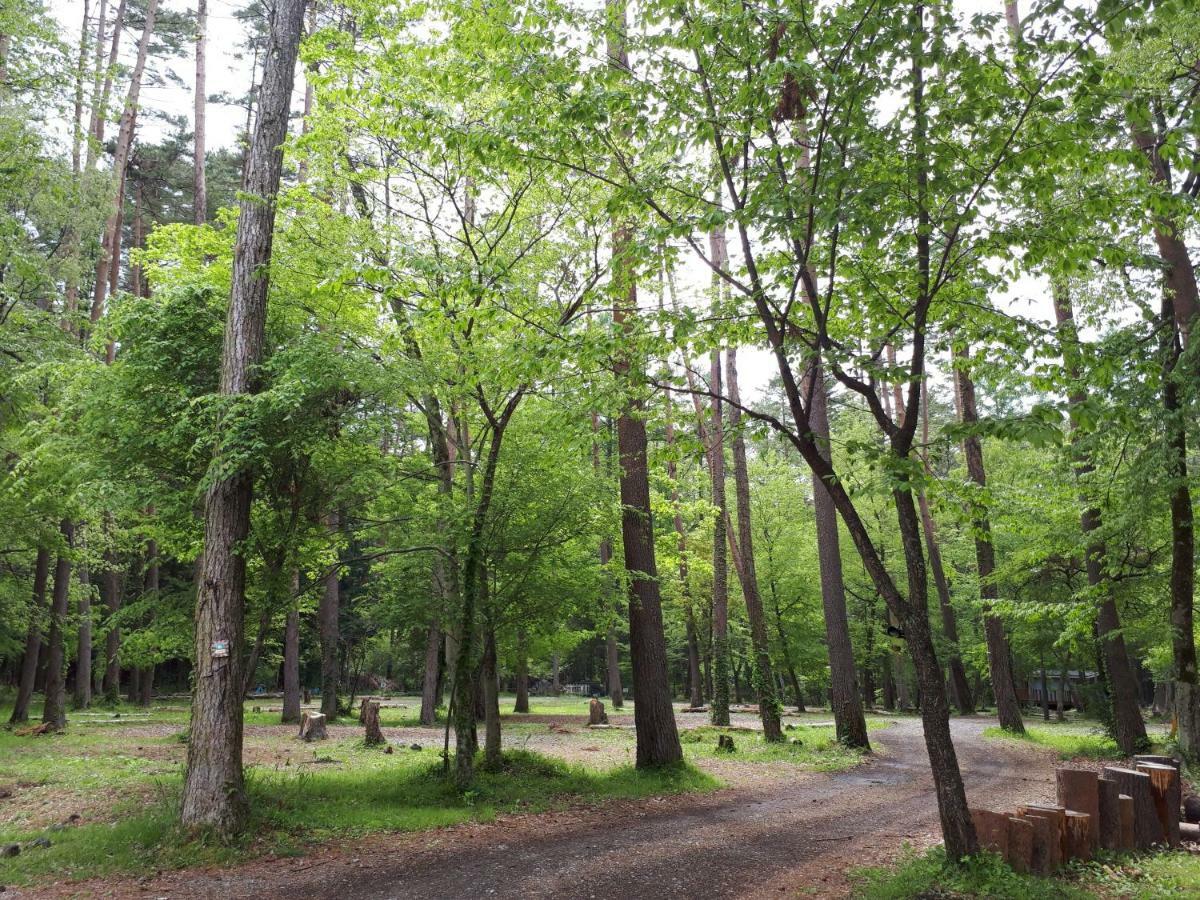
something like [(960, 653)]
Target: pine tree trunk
[(848, 717), (214, 790), (429, 679), (33, 638), (764, 676), (1008, 708), (719, 707), (200, 103), (54, 711), (328, 612), (109, 252), (291, 656), (522, 702), (1129, 730), (111, 582), (83, 654)]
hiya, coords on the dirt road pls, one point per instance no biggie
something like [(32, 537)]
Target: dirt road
[(797, 838)]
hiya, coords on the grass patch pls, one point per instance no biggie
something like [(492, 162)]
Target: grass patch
[(1146, 877), (984, 876), (814, 747), (1070, 740), (344, 790)]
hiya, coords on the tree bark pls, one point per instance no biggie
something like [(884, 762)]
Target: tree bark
[(764, 676), (848, 717), (1008, 708), (327, 616), (112, 588), (1129, 730), (214, 790), (491, 701), (109, 253), (83, 655), (200, 103), (719, 706), (54, 711), (291, 655), (522, 702), (33, 638), (429, 680)]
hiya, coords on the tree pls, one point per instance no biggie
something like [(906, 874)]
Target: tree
[(214, 793)]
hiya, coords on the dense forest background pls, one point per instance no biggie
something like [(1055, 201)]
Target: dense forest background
[(495, 419)]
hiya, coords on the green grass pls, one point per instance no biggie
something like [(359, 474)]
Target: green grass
[(814, 747), (344, 790), (1070, 740), (1144, 877)]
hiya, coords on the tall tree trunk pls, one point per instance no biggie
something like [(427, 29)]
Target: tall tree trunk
[(719, 707), (111, 587), (960, 688), (522, 702), (429, 678), (54, 711), (612, 659), (109, 250), (491, 700), (103, 78), (764, 676), (291, 655), (200, 102), (848, 717), (1008, 708), (1129, 730), (83, 655), (654, 719), (328, 612), (33, 637), (214, 790)]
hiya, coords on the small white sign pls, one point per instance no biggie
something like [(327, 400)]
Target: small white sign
[(220, 649)]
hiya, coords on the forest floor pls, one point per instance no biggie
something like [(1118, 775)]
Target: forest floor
[(786, 821)]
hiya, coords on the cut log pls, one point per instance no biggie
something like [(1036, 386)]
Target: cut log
[(1147, 829), (1020, 844), (1055, 813), (370, 716), (1078, 789), (596, 713), (992, 830), (1079, 836), (1109, 823), (1189, 831), (312, 727), (1157, 758), (1166, 790), (1128, 840), (1046, 856)]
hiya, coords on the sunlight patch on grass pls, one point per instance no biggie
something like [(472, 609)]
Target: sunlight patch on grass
[(813, 747), (1069, 740)]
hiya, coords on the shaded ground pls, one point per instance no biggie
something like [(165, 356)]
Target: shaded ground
[(778, 834)]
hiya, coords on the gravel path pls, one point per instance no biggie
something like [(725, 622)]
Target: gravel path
[(795, 838)]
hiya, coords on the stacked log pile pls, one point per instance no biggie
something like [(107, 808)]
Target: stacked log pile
[(1118, 809)]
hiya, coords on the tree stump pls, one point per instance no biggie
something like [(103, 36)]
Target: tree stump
[(1056, 814), (1147, 829), (1128, 840), (1167, 792), (1046, 855), (1020, 845), (362, 710), (370, 718), (1109, 823), (596, 713), (1157, 758), (992, 830), (1079, 836), (312, 727), (1078, 789), (725, 744)]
